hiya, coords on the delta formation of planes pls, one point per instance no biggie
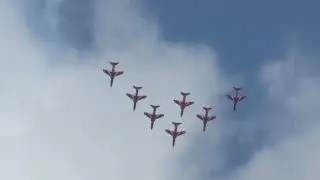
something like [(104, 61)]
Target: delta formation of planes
[(182, 104)]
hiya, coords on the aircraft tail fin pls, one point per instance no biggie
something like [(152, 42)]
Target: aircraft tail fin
[(176, 123), (207, 108), (137, 87), (155, 106), (237, 88), (184, 94), (114, 63)]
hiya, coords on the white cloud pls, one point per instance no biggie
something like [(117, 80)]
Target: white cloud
[(295, 154), (66, 123)]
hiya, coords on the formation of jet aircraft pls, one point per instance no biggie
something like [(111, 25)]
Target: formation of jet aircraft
[(183, 103)]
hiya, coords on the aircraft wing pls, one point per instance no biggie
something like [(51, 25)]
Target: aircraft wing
[(169, 132), (177, 102), (148, 115), (159, 116), (118, 73), (131, 96), (189, 103), (106, 71), (181, 133), (242, 98), (229, 97), (212, 118), (141, 97), (200, 117)]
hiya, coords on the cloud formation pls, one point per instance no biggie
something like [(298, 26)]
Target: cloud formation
[(292, 88), (63, 121)]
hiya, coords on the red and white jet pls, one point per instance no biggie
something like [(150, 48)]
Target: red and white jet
[(175, 133), (153, 117), (183, 104), (205, 119), (135, 97), (113, 73), (237, 98)]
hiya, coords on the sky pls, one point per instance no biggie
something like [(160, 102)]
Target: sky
[(261, 29), (61, 120)]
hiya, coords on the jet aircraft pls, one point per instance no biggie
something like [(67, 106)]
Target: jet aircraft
[(205, 119), (237, 98), (175, 133), (183, 104), (135, 97), (153, 117), (113, 73)]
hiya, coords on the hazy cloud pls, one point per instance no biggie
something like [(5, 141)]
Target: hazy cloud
[(64, 122)]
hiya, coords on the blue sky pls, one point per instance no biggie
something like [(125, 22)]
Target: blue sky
[(246, 34), (254, 43)]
